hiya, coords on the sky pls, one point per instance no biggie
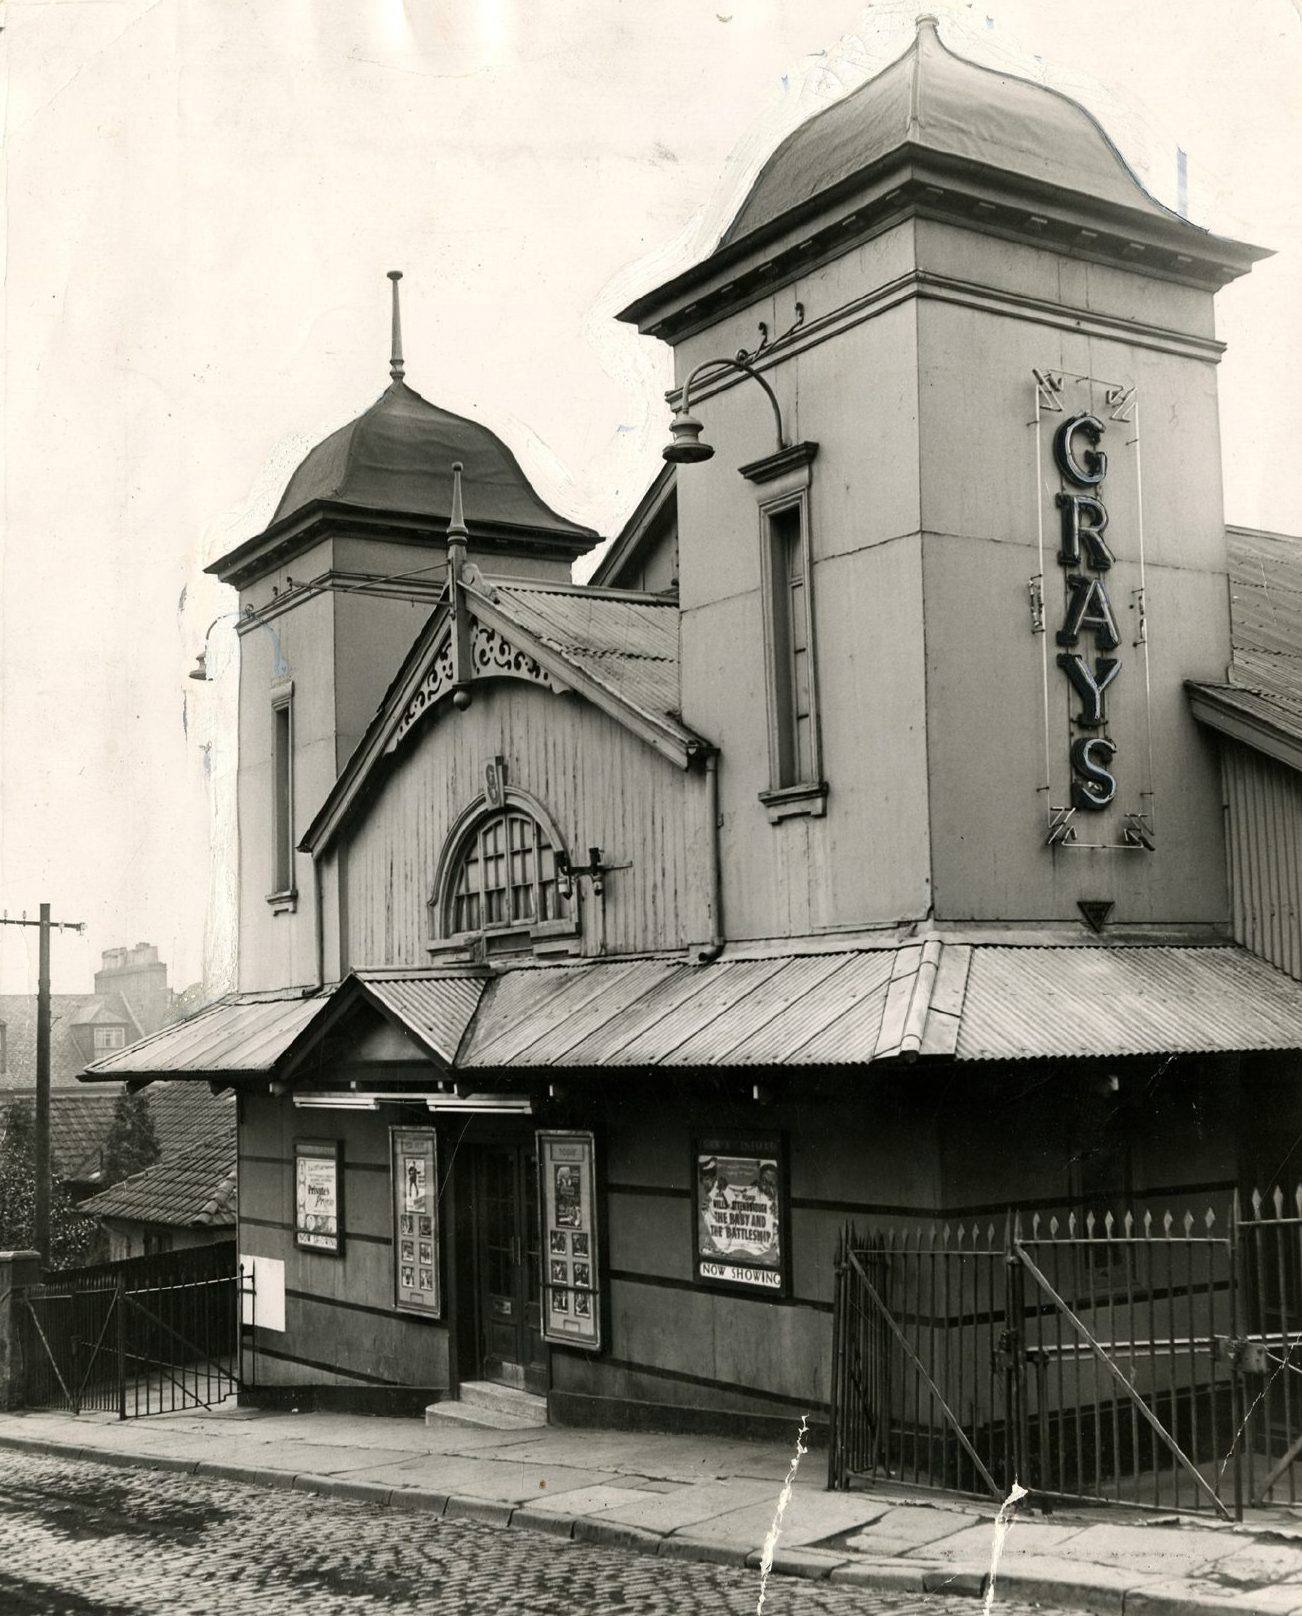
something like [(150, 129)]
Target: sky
[(202, 198)]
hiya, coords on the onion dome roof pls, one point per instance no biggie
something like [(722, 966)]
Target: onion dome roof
[(398, 456), (931, 99)]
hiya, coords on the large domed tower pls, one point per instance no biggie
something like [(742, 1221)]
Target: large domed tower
[(937, 689), (332, 593)]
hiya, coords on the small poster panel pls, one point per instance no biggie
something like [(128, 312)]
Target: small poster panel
[(415, 1228), (571, 1311), (318, 1196), (740, 1221)]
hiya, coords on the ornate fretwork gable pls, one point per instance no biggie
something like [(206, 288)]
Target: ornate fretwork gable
[(492, 653), (437, 682), (492, 656)]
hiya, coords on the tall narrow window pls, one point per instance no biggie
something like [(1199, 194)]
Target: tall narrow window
[(282, 787), (793, 720), (783, 484)]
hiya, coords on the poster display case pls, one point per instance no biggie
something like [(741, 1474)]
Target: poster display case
[(740, 1203), (413, 1156), (319, 1196), (567, 1192)]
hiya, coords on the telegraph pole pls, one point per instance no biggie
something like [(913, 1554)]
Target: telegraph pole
[(41, 1233)]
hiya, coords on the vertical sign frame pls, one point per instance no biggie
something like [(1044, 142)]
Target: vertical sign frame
[(319, 1196), (741, 1222), (414, 1202), (570, 1238)]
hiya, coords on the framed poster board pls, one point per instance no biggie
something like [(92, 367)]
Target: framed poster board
[(741, 1214), (570, 1255), (319, 1196), (413, 1158)]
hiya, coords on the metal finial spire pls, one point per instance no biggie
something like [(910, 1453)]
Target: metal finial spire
[(396, 368), (457, 523)]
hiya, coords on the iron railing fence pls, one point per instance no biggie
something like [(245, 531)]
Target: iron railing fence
[(145, 1336), (1143, 1358)]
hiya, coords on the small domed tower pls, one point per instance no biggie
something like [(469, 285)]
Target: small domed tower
[(332, 593)]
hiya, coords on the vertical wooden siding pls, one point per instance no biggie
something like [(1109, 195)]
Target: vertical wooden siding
[(602, 785), (1264, 800)]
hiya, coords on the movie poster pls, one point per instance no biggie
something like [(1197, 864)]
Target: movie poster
[(317, 1183), (567, 1190), (739, 1216), (415, 1210)]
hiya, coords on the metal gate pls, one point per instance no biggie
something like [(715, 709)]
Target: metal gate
[(1140, 1358), (151, 1335)]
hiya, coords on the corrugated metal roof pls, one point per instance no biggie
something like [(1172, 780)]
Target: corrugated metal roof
[(661, 1013), (233, 1035), (437, 1009), (926, 996), (594, 623), (629, 646), (1036, 1002), (1266, 612), (1280, 713)]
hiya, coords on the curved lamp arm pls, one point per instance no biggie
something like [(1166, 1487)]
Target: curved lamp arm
[(746, 370), (200, 669), (685, 446)]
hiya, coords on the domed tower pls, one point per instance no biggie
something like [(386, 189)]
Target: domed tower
[(938, 690), (332, 593)]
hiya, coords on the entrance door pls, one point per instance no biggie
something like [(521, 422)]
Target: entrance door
[(506, 1222)]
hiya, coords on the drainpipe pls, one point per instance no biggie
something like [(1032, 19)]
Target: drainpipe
[(714, 947), (318, 922)]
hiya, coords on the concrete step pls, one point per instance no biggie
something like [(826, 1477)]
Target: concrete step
[(503, 1399), (490, 1407)]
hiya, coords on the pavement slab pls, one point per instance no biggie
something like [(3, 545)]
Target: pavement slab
[(1054, 1580), (688, 1505), (519, 1483), (1253, 1564), (595, 1500), (1150, 1551), (900, 1528), (808, 1519), (973, 1545), (1184, 1596)]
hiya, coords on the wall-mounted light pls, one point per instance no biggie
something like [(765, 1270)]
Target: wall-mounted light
[(685, 446), (594, 870)]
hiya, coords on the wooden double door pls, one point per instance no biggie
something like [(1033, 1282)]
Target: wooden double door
[(507, 1270)]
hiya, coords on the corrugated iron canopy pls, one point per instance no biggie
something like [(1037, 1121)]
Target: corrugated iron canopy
[(437, 1009), (232, 1036), (928, 997), (1037, 1002)]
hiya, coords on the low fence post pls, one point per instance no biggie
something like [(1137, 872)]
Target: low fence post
[(18, 1270), (120, 1309)]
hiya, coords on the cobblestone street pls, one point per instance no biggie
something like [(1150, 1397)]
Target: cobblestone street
[(80, 1539)]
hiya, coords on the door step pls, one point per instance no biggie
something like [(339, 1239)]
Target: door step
[(485, 1404)]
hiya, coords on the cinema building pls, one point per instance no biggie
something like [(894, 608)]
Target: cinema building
[(858, 844)]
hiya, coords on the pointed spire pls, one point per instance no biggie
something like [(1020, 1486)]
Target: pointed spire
[(396, 367), (457, 522)]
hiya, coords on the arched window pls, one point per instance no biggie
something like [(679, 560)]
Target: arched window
[(501, 877)]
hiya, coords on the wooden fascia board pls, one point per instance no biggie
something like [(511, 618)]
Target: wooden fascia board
[(577, 679), (1246, 728)]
